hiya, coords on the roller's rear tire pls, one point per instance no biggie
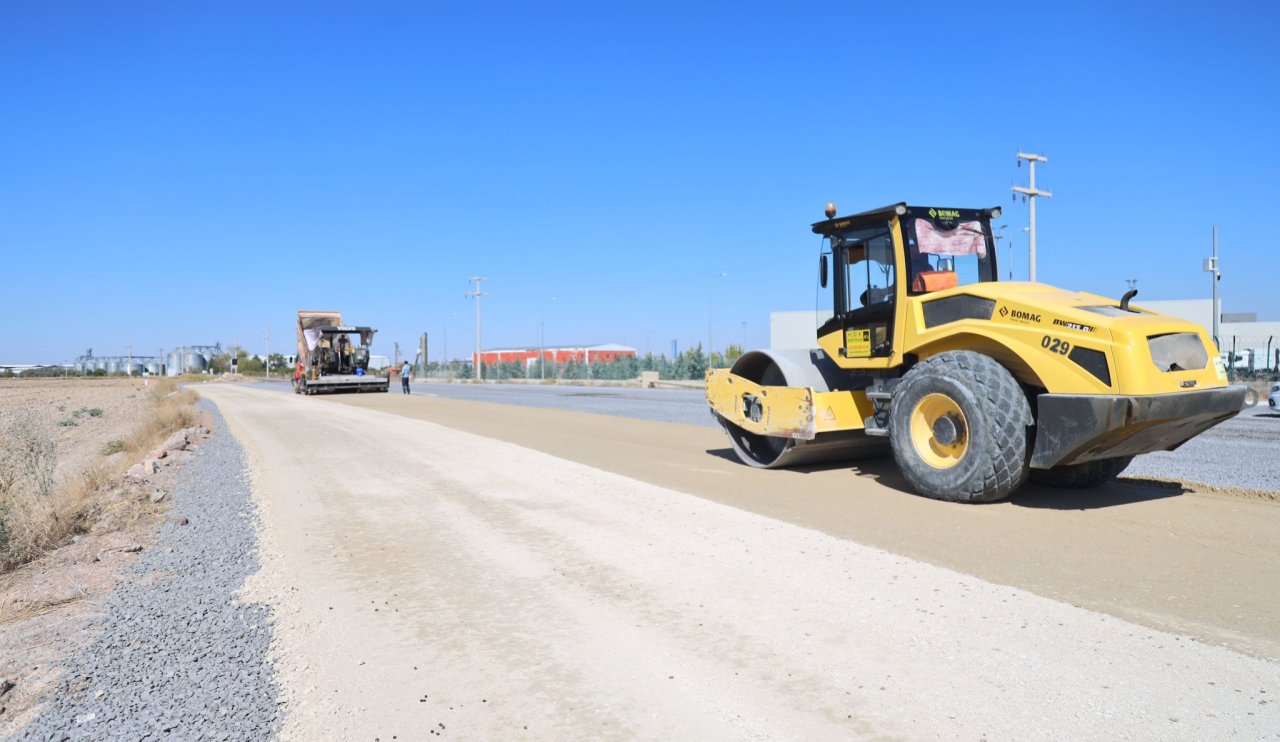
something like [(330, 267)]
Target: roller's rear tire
[(1081, 476), (958, 425)]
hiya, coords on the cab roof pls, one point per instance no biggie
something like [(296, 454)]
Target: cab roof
[(342, 329), (841, 223)]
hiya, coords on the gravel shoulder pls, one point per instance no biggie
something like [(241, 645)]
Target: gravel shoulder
[(1241, 454), (174, 651), (418, 586)]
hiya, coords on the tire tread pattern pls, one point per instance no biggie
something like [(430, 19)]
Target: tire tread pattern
[(1008, 414)]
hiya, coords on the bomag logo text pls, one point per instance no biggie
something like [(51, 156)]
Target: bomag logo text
[(1024, 316), (944, 213)]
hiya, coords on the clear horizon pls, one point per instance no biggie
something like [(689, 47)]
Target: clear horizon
[(179, 175)]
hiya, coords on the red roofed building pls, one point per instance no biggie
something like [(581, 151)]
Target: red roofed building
[(607, 353)]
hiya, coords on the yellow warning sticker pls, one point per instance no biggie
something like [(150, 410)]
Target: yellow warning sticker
[(857, 343)]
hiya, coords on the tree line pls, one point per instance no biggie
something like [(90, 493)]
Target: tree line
[(691, 364)]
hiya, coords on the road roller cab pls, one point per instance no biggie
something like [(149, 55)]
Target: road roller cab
[(974, 385)]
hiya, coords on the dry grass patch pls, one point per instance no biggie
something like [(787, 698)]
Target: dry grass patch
[(38, 512), (172, 409)]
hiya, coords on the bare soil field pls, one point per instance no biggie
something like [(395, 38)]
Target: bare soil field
[(119, 404), (95, 425)]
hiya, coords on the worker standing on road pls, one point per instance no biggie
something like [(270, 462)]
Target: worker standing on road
[(404, 377)]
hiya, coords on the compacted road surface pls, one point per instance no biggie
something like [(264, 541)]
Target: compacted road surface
[(1239, 453), (489, 571)]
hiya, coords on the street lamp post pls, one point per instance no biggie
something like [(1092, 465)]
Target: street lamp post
[(1024, 229), (1009, 242), (477, 294), (1211, 266)]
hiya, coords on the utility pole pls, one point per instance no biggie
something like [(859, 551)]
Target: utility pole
[(397, 346), (1032, 193), (477, 294), (128, 369), (744, 337), (1211, 266), (266, 342)]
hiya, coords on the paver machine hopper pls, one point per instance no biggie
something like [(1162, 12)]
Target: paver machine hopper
[(333, 357)]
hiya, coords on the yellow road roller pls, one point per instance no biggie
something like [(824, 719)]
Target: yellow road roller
[(974, 385)]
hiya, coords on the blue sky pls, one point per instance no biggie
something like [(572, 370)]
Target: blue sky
[(174, 173)]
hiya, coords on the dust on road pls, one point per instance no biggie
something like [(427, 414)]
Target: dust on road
[(430, 579)]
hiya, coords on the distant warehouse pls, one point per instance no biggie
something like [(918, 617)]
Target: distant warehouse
[(607, 353)]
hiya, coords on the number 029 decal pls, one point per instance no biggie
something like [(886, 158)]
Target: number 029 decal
[(1054, 345)]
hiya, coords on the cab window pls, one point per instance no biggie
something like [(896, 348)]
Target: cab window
[(943, 253), (868, 284), (869, 268)]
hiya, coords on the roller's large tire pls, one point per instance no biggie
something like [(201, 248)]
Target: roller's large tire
[(987, 458), (1081, 476)]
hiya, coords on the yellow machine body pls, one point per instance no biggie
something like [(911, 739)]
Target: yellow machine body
[(1110, 379)]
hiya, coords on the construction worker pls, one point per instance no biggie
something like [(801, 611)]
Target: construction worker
[(404, 377)]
